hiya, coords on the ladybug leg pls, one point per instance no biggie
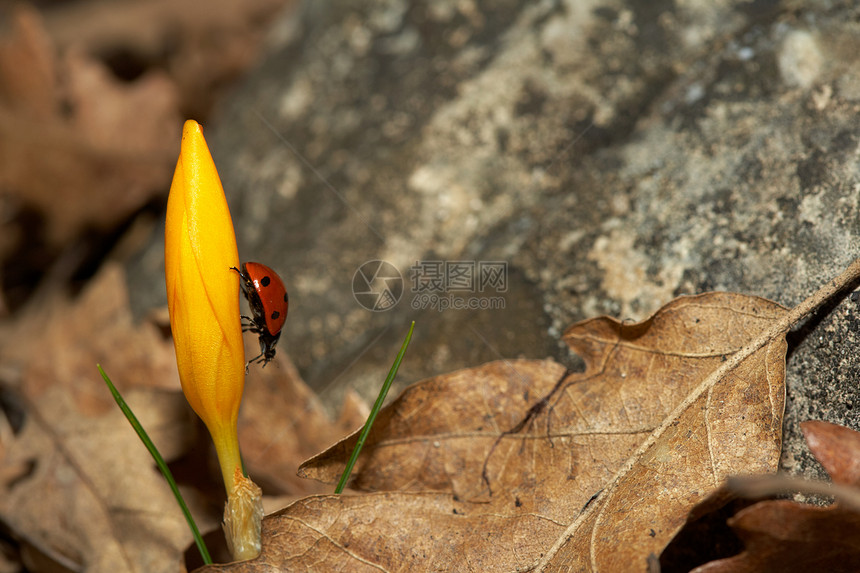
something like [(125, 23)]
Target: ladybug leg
[(251, 326), (244, 280), (259, 358)]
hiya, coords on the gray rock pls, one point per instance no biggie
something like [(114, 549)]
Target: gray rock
[(614, 154)]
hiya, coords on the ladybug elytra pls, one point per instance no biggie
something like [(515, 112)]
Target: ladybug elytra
[(269, 303)]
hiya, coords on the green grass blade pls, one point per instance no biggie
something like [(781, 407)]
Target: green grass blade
[(376, 407), (144, 437)]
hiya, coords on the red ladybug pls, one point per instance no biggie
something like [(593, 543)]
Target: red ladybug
[(269, 303)]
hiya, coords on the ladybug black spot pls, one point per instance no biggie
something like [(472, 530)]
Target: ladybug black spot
[(275, 315), (286, 298), (265, 281)]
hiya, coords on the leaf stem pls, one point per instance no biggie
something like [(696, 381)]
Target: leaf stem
[(376, 407), (766, 486), (162, 465)]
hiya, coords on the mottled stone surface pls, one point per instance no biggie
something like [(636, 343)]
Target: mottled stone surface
[(614, 154)]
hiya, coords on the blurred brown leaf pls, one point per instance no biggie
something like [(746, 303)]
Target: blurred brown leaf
[(535, 466), (201, 44), (783, 536), (837, 448), (78, 146), (92, 97), (77, 482), (282, 423)]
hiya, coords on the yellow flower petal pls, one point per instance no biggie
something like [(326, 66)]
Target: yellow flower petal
[(203, 296)]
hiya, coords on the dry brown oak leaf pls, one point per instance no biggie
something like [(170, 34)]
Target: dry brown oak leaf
[(522, 465), (782, 536)]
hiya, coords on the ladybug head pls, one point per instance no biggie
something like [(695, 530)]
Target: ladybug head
[(267, 349)]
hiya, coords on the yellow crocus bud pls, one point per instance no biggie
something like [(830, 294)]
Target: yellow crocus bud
[(203, 299)]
